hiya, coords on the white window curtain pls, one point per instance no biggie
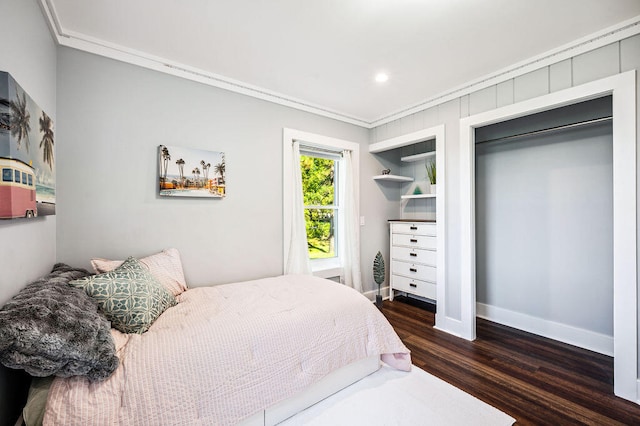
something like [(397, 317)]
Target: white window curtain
[(350, 254), (298, 259)]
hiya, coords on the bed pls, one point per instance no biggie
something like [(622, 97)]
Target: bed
[(253, 352)]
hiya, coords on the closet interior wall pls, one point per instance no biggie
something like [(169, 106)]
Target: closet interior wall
[(544, 216)]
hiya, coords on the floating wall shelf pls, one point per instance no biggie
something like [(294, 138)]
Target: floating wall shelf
[(408, 197), (418, 157), (393, 178)]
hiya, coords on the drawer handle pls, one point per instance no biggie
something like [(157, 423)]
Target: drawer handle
[(413, 269), (413, 285), (413, 254), (414, 228), (413, 240)]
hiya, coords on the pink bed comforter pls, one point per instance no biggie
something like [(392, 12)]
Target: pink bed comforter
[(226, 352)]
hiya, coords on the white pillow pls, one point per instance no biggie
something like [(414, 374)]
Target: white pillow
[(165, 266)]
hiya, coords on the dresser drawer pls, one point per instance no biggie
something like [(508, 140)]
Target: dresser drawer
[(417, 287), (414, 228), (418, 241), (414, 270), (415, 255)]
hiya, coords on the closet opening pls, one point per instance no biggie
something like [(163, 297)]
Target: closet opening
[(544, 224), (622, 90)]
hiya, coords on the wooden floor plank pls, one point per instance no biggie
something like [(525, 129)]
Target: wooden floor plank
[(536, 380)]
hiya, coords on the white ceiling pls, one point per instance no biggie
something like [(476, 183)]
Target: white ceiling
[(325, 53)]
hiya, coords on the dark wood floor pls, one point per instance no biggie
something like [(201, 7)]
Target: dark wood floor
[(533, 379)]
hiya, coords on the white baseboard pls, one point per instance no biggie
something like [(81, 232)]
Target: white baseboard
[(586, 339), (448, 325), (371, 295)]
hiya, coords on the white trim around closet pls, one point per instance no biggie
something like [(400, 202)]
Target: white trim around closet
[(622, 88)]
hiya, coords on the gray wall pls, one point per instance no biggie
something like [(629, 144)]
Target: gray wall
[(602, 62), (544, 226), (28, 248), (113, 116)]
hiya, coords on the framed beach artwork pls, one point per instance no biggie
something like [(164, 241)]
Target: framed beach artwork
[(188, 172), (28, 174)]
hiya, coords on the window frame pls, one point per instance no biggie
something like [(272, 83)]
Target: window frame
[(330, 267)]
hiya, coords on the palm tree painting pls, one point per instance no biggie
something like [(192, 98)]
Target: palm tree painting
[(46, 144), (23, 123), (5, 116), (164, 164), (196, 176), (20, 121), (205, 171), (201, 181), (220, 169), (180, 163)]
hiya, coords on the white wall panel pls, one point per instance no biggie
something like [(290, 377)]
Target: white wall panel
[(531, 85), (629, 58), (410, 123), (482, 100), (504, 93), (382, 133), (394, 129), (430, 117), (418, 121), (560, 76), (596, 64), (464, 106)]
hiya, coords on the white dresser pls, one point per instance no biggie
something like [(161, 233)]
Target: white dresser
[(413, 258)]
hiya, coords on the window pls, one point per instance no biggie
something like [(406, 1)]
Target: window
[(30, 180), (329, 169), (319, 186), (7, 175), (16, 176), (24, 178)]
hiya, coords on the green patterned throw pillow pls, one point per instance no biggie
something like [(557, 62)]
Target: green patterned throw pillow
[(130, 297)]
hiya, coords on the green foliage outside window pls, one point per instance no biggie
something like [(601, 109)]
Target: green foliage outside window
[(318, 187)]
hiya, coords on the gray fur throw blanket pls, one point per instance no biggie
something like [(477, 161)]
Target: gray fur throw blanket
[(50, 328)]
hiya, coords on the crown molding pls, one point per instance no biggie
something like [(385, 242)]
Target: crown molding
[(100, 47)]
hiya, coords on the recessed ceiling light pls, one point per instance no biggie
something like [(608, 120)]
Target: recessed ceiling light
[(382, 77)]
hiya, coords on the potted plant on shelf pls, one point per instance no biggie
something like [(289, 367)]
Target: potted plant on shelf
[(378, 276), (431, 175)]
